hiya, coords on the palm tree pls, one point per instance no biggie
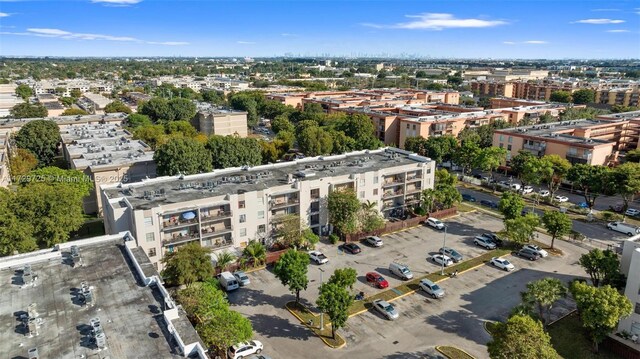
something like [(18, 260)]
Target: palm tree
[(255, 252), (224, 259), (428, 198), (370, 206)]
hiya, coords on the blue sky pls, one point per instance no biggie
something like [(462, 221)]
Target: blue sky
[(460, 28)]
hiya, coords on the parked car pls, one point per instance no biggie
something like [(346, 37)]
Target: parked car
[(351, 248), (242, 350), (632, 212), (504, 184), (386, 309), (442, 260), (537, 249), (625, 228), (318, 257), (400, 270), (515, 186), (435, 223), (494, 238), (502, 264), (468, 197), (451, 253), (487, 203), (544, 193), (431, 288), (527, 189), (377, 280), (228, 281), (242, 278), (260, 356), (528, 253), (561, 199), (582, 205), (527, 211), (484, 242), (374, 241)]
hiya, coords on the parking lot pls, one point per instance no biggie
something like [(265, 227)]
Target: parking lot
[(485, 293)]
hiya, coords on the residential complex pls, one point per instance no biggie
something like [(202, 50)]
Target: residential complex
[(202, 83), (8, 99), (217, 121), (94, 103), (93, 298), (64, 87), (630, 267), (229, 207)]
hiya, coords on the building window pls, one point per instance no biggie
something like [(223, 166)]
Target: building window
[(637, 308), (407, 126), (260, 214), (243, 218), (361, 194), (375, 192), (501, 145), (148, 221), (262, 228), (375, 180), (315, 193), (241, 204), (243, 232), (510, 139), (150, 237), (151, 252), (362, 181), (260, 200), (508, 147)]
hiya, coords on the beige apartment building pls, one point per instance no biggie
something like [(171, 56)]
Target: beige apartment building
[(630, 267), (227, 208), (621, 96), (212, 121)]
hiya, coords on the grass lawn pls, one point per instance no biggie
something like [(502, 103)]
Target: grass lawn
[(453, 352), (571, 340), (312, 321), (463, 207), (412, 285)]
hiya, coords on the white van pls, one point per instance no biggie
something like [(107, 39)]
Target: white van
[(228, 281), (400, 270), (625, 228)]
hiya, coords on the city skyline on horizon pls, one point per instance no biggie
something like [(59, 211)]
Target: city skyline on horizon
[(496, 30)]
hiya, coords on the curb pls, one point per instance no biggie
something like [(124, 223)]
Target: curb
[(441, 352), (484, 325), (255, 269), (314, 332)]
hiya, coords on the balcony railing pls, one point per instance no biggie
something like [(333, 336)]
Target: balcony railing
[(208, 232), (414, 178), (414, 190), (223, 241), (180, 238), (391, 183), (389, 194), (216, 215), (176, 223), (288, 202)]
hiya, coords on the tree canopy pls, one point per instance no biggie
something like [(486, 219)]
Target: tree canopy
[(24, 91), (335, 300), (234, 151), (74, 112), (41, 137), (591, 180), (343, 209), (521, 337), (188, 264), (511, 205), (291, 269), (117, 106), (543, 293), (602, 266), (557, 224), (520, 229), (27, 110), (182, 155), (560, 96), (583, 96)]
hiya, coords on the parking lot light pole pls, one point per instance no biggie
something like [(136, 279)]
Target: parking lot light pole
[(322, 312), (444, 241)]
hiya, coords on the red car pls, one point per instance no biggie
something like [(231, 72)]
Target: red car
[(377, 280)]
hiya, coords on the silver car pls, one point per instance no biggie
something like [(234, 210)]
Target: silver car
[(242, 278), (431, 288), (386, 309)]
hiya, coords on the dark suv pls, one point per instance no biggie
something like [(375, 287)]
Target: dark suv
[(528, 253), (487, 203)]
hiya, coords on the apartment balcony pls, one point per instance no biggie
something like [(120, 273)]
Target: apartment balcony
[(578, 158), (392, 205), (224, 240), (275, 204), (215, 230), (178, 238), (412, 200), (536, 148), (414, 178), (175, 223), (391, 194), (392, 182), (413, 190), (215, 216)]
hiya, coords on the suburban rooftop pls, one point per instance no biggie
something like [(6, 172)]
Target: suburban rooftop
[(65, 120), (554, 130), (172, 189)]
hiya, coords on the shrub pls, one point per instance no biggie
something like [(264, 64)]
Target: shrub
[(333, 238)]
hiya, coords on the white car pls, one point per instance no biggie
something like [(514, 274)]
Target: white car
[(318, 257), (442, 259), (245, 349), (561, 199), (374, 241), (632, 212), (515, 186), (544, 193), (537, 249), (502, 264), (527, 189), (435, 223)]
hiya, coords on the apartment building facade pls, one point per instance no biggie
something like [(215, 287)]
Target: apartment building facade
[(630, 267), (619, 96), (212, 121), (227, 208)]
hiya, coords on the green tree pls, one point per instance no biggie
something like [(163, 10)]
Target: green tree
[(117, 106), (24, 91), (314, 141), (343, 209), (445, 191), (136, 120), (602, 266), (41, 137), (181, 109), (520, 229), (438, 149), (289, 230), (341, 142), (600, 308), (490, 158), (632, 156), (75, 93), (557, 224), (466, 155), (234, 151), (625, 180), (67, 101), (521, 337), (223, 329), (189, 264), (27, 110), (583, 96), (308, 239), (255, 253), (78, 182), (591, 180), (282, 123), (554, 171), (511, 205), (157, 109), (469, 134), (16, 235), (519, 161), (344, 277), (224, 259), (291, 269), (428, 199), (152, 135), (180, 128), (543, 293), (360, 128), (74, 112), (335, 300), (182, 155), (244, 102), (214, 97), (560, 96), (21, 161)]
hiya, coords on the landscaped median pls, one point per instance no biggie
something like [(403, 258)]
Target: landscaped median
[(410, 287), (312, 321), (453, 352)]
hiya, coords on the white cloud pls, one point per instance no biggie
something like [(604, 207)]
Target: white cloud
[(605, 9), (3, 14), (286, 34), (508, 42), (246, 42), (117, 2), (432, 21), (536, 42), (618, 31), (599, 21), (168, 43), (67, 35)]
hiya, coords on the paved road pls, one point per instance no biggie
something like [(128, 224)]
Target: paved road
[(590, 230)]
